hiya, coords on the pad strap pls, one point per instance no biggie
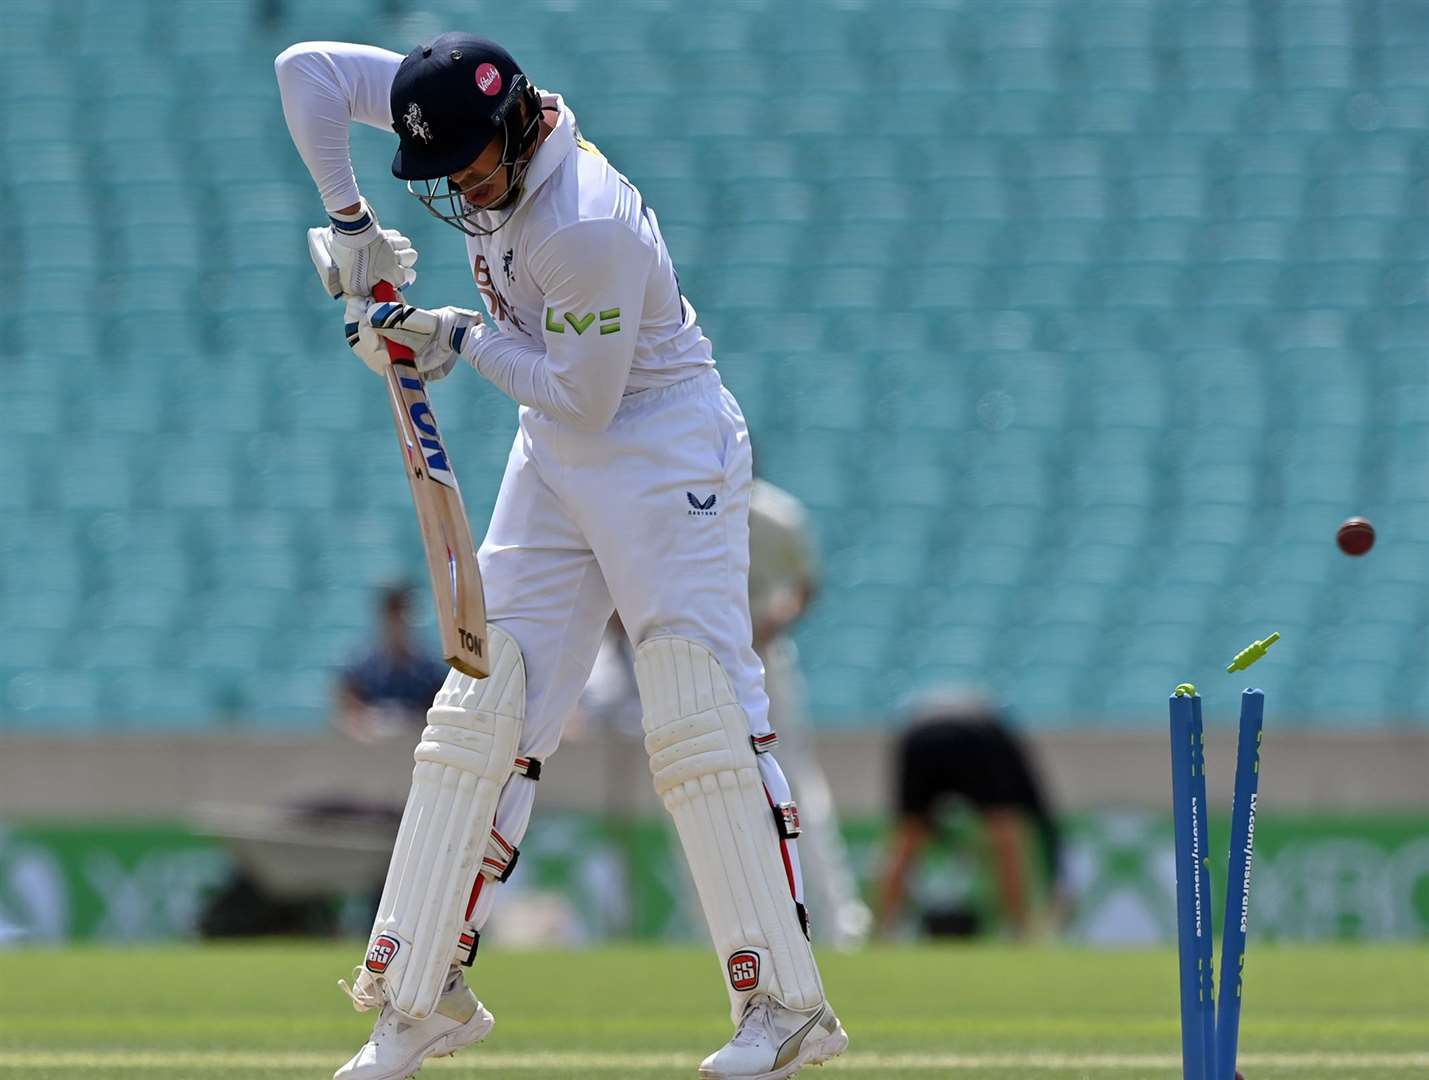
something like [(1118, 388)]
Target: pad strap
[(466, 945), (500, 858), (764, 743), (786, 819)]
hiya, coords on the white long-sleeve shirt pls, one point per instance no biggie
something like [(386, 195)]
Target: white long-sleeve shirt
[(580, 287)]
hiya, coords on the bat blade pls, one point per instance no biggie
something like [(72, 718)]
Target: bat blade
[(441, 515)]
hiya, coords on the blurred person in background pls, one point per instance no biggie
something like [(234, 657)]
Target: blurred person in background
[(387, 689), (958, 753), (783, 581), (610, 701)]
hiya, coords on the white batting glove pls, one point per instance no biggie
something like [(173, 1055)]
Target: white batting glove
[(436, 337), (364, 253), (361, 338)]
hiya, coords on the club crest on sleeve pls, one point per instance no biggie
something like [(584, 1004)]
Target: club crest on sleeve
[(701, 507), (381, 952), (744, 970)]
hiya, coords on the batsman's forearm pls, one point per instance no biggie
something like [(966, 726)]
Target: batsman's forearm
[(523, 372)]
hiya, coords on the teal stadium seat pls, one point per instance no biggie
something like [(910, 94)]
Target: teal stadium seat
[(1404, 65), (61, 699), (162, 698), (128, 658), (1395, 109), (209, 27), (28, 648), (46, 598), (1217, 68), (344, 614), (1162, 238), (24, 31), (1228, 26), (110, 31), (225, 657)]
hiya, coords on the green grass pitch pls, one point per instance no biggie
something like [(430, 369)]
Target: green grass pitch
[(272, 1010)]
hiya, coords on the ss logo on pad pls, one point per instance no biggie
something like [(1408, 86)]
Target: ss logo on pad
[(383, 948), (744, 970)]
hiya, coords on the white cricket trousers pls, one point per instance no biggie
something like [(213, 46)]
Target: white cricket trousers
[(649, 517)]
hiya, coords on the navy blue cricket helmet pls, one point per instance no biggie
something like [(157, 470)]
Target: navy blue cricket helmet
[(450, 98)]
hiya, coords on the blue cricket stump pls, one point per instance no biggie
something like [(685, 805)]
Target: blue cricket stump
[(1247, 785), (1201, 881), (1193, 908)]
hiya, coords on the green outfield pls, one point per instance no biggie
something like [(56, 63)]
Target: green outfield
[(274, 1011)]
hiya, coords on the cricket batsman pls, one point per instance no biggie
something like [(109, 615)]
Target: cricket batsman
[(627, 488)]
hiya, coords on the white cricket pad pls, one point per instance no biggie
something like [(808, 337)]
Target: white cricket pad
[(467, 752), (705, 769)]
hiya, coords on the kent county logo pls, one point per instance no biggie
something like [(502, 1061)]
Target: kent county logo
[(701, 507), (415, 124)]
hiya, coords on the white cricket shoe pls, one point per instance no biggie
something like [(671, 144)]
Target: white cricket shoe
[(772, 1042), (399, 1044)]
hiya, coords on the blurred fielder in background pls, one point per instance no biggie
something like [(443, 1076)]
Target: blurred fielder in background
[(627, 487), (959, 753), (783, 581), (386, 689)]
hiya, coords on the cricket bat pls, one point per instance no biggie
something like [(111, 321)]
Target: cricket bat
[(441, 515)]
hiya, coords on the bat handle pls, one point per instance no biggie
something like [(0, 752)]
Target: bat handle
[(383, 290)]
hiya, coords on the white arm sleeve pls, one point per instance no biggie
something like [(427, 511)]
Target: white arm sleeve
[(592, 275), (325, 85)]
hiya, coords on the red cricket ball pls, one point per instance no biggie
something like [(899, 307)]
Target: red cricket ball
[(1356, 536)]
